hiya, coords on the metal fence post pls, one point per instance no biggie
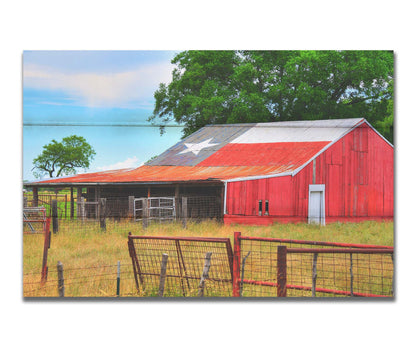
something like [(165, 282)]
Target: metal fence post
[(281, 270), (236, 264), (351, 276)]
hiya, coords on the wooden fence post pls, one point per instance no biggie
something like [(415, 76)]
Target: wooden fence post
[(102, 209), (163, 274), (204, 276), (55, 226), (184, 211), (46, 246), (61, 284), (281, 270), (118, 278), (236, 264), (314, 274)]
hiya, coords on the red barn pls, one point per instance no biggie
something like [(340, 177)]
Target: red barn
[(318, 171)]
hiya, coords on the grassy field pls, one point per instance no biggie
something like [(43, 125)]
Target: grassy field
[(90, 256)]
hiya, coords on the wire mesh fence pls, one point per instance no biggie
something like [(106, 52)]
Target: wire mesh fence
[(253, 267), (92, 281), (333, 269), (142, 210), (184, 265)]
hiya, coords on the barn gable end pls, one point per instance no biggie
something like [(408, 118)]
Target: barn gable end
[(357, 171)]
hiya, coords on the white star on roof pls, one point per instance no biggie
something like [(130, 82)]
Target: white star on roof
[(195, 148)]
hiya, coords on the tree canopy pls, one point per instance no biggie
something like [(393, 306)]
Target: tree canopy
[(63, 157), (220, 87)]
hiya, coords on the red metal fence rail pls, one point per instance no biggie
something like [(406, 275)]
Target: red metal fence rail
[(331, 270)]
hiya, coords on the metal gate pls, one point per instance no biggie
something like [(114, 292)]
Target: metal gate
[(159, 209)]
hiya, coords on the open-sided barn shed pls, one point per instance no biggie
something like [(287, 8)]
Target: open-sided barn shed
[(317, 171)]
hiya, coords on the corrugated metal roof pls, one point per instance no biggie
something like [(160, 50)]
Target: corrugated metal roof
[(228, 152), (147, 173)]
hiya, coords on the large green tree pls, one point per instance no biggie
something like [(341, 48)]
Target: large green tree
[(63, 157), (214, 87)]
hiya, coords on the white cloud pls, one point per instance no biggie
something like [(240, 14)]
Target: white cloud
[(126, 89), (126, 164)]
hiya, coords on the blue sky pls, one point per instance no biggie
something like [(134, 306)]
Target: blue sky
[(63, 91)]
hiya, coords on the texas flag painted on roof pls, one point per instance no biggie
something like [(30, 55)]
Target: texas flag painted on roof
[(234, 151), (285, 144)]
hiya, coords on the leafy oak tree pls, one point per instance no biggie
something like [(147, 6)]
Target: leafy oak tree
[(214, 87), (63, 157)]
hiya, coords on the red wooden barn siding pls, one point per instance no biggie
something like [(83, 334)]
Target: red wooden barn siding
[(358, 175)]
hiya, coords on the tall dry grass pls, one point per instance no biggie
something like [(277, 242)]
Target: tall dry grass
[(90, 255)]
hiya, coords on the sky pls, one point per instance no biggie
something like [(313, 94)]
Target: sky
[(104, 96)]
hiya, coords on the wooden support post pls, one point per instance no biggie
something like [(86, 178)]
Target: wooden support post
[(35, 197), (61, 283), (236, 264), (163, 274), (281, 271), (71, 204), (145, 217), (65, 206), (177, 204), (102, 209), (131, 208), (79, 195), (314, 274), (82, 208), (205, 272), (221, 203), (55, 226), (184, 211)]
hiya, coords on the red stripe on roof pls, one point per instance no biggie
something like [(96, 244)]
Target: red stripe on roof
[(288, 154)]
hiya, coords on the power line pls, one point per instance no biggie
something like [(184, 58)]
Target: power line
[(104, 125)]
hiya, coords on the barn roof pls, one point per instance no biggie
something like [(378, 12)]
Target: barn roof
[(231, 152)]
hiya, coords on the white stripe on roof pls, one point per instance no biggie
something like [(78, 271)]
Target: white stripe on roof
[(301, 131)]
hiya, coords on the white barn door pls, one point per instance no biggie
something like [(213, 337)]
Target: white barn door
[(316, 210)]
